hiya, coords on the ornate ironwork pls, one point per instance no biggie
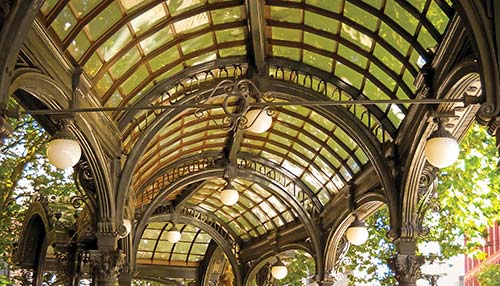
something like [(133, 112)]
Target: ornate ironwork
[(106, 265), (339, 271), (241, 92), (174, 173), (406, 268), (27, 277), (289, 185), (426, 193)]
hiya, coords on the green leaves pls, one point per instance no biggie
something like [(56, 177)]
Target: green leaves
[(489, 275)]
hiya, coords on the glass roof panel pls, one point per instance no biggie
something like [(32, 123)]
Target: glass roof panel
[(103, 21), (82, 8), (148, 19), (64, 22)]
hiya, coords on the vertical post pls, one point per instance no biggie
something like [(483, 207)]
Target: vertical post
[(406, 264), (106, 265)]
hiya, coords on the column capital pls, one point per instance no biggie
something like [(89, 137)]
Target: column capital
[(406, 268), (106, 265)]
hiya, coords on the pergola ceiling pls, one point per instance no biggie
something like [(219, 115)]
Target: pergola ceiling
[(139, 53)]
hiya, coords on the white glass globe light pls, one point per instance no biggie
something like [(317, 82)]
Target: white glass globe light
[(173, 235), (258, 120), (278, 270), (63, 153), (125, 228), (441, 152), (357, 233), (229, 195)]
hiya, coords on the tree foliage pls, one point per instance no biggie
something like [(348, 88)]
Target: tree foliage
[(489, 275), (24, 169), (468, 196)]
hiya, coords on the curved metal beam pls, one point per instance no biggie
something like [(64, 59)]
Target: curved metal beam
[(167, 84)]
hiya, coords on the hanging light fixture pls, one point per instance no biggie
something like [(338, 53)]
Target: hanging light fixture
[(279, 270), (441, 149), (357, 233), (63, 151), (173, 234), (259, 121), (229, 195)]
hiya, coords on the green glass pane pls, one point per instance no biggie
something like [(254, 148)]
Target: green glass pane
[(360, 16), (47, 6), (199, 249), (388, 59), (409, 79), (226, 15), (114, 43), (286, 52), (164, 58), (144, 255), (156, 40), (178, 6), (191, 24), (148, 19), (286, 34), (178, 257), (395, 115), (356, 37), (415, 59), (331, 5), (83, 7), (286, 14), (103, 84), (236, 51), (320, 42), (348, 75), (198, 43), (401, 16), (115, 99), (135, 79), (425, 39), (419, 4), (64, 22), (205, 58), (230, 35), (382, 76), (131, 5), (173, 71), (78, 46), (323, 196), (352, 56), (437, 17), (93, 65), (318, 61), (321, 22), (104, 20), (373, 92), (376, 3), (393, 38), (125, 63)]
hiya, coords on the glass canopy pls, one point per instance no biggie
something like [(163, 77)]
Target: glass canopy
[(141, 53)]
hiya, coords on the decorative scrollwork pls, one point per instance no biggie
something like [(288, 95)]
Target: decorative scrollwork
[(242, 92), (426, 194), (406, 268), (342, 260), (26, 277)]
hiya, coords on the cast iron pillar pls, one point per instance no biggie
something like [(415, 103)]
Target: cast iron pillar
[(106, 265), (406, 264)]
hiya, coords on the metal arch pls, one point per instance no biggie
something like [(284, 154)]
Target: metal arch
[(270, 185), (286, 173), (116, 84), (484, 38), (337, 231), (454, 84), (171, 82), (122, 22), (357, 131), (180, 39), (53, 96), (263, 260), (403, 33), (352, 91)]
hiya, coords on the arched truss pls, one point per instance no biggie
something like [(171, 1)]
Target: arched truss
[(338, 115), (217, 172), (51, 95), (140, 53), (264, 260)]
